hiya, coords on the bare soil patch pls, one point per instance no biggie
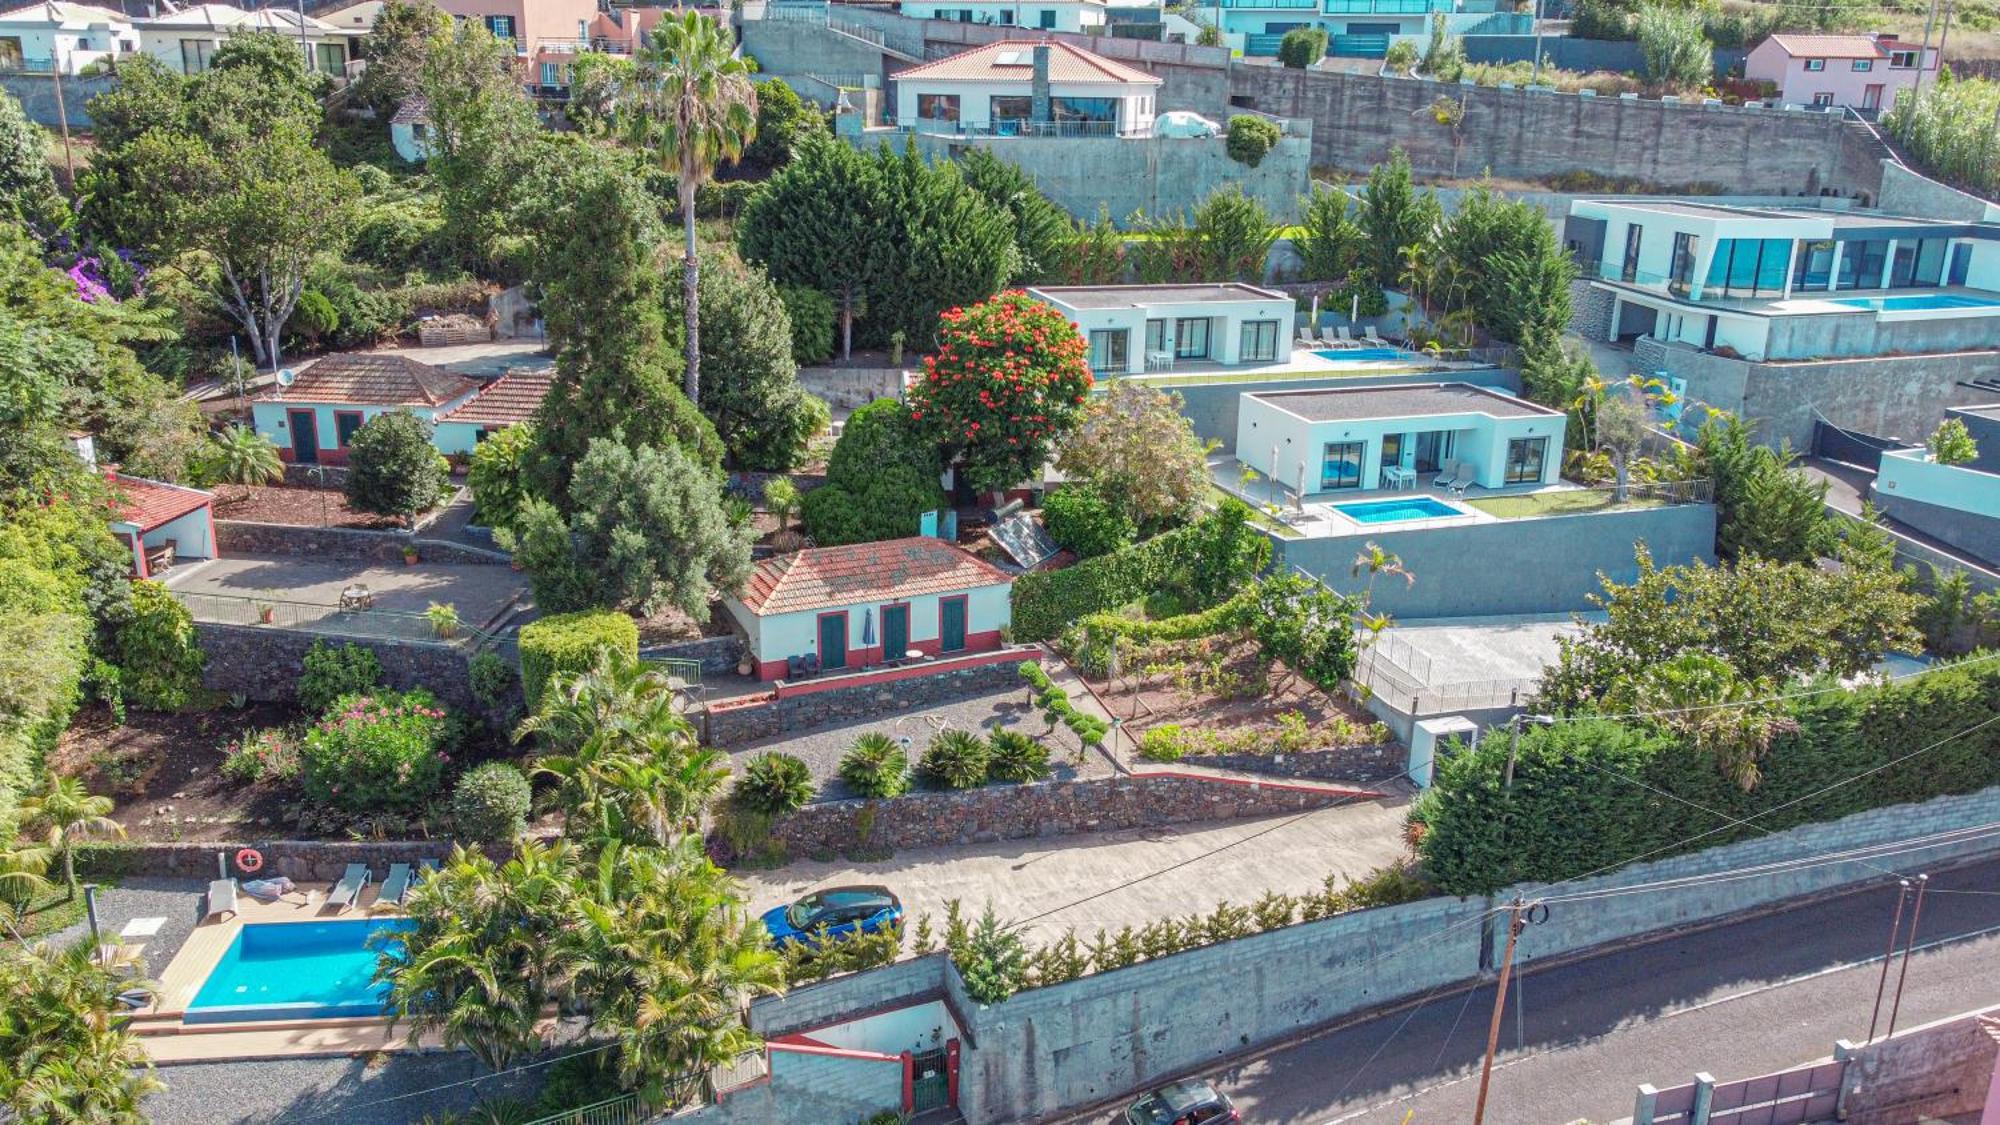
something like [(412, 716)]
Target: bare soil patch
[(164, 771), (290, 504), (1223, 686)]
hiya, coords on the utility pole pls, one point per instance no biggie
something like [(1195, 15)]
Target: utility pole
[(1909, 946), (305, 47), (62, 119), (1924, 55), (1514, 925), (1535, 77), (1895, 929), (1944, 33)]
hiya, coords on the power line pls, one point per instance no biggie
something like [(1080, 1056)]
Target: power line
[(350, 1107), (1782, 697)]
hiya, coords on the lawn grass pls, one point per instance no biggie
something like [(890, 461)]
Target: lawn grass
[(1567, 503), (50, 911)]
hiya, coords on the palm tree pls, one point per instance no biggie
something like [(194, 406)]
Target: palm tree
[(70, 1055), (244, 456), (695, 103), (68, 813)]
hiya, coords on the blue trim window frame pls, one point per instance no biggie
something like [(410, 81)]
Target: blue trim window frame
[(1864, 64), (1814, 66)]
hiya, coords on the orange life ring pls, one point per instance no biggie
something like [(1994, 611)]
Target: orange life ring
[(249, 860)]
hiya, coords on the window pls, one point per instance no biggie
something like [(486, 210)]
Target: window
[(502, 27), (1156, 337), (551, 74), (195, 54), (345, 422), (1524, 460), (1815, 64), (1047, 19), (10, 52), (1919, 263), (1681, 271), (1630, 271), (1340, 465), (1864, 64), (1749, 267), (1260, 341), (1084, 109), (1108, 349), (1815, 266), (330, 58), (937, 107), (1902, 60), (1191, 338), (1011, 107), (1823, 99), (1861, 265)]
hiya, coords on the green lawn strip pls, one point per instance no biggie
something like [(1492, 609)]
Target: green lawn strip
[(1567, 503)]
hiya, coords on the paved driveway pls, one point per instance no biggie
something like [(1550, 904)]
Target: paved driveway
[(479, 592), (1114, 879)]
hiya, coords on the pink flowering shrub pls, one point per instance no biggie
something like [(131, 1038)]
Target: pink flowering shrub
[(381, 752), (261, 754)]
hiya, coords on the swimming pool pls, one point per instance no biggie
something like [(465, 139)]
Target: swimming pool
[(1396, 511), (1365, 355), (1924, 302), (296, 970)]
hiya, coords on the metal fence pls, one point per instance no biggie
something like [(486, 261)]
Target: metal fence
[(622, 1110), (316, 617), (1400, 676)]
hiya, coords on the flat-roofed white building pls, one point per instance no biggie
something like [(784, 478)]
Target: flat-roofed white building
[(55, 36), (1133, 329), (186, 40)]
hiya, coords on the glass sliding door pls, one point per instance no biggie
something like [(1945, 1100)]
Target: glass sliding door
[(1260, 342), (1109, 349), (1681, 272), (1340, 465), (1433, 446), (1524, 460), (1191, 338), (1156, 337)]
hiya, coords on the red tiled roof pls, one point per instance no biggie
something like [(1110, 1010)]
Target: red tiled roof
[(148, 503), (1014, 60), (373, 379), (1834, 46), (504, 401), (821, 577)]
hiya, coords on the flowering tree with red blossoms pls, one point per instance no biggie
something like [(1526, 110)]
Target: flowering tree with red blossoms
[(1008, 380)]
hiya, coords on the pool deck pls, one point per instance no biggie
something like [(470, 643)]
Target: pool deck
[(170, 1040)]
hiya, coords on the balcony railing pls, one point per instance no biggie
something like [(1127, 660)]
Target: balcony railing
[(584, 45), (27, 66), (1274, 5), (316, 617), (1386, 7), (1020, 129)]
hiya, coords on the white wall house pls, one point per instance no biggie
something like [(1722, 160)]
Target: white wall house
[(410, 129), (1023, 87), (1133, 329), (1344, 440), (866, 603), (313, 420), (1039, 15), (161, 523), (186, 40), (1862, 71), (63, 37)]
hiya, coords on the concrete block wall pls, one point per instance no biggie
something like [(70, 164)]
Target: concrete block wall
[(1968, 531), (37, 95), (1211, 407), (1548, 565), (243, 537), (845, 997), (1582, 924), (842, 1088), (1939, 1071)]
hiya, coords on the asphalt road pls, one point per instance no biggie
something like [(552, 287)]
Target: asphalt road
[(1736, 1001)]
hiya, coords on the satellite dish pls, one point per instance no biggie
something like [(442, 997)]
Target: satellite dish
[(287, 376)]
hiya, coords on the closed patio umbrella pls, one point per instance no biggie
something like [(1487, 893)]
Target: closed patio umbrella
[(868, 627)]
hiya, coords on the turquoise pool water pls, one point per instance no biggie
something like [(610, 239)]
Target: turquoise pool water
[(1918, 301), (1392, 511), (1365, 355), (296, 970)]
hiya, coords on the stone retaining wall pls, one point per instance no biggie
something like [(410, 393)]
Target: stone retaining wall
[(264, 664), (243, 537), (737, 723), (718, 655), (316, 476), (1037, 809), (303, 861), (1335, 763)]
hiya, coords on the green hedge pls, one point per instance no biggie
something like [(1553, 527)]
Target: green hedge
[(1206, 561), (1567, 813), (570, 642), (1236, 613)]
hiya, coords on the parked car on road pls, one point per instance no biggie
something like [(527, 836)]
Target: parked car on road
[(843, 911), (1182, 1103)]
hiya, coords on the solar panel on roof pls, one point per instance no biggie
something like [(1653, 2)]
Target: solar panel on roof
[(1024, 540)]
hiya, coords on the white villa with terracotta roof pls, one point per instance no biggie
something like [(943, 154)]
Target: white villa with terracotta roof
[(1020, 87), (313, 420), (870, 603), (1861, 71)]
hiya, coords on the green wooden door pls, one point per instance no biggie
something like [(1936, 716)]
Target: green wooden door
[(833, 641), (895, 631), (951, 624)]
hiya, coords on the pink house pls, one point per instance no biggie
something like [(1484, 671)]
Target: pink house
[(1860, 71), (535, 26)]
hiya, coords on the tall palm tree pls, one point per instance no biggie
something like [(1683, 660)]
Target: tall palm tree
[(68, 813), (695, 103), (70, 1055), (243, 456)]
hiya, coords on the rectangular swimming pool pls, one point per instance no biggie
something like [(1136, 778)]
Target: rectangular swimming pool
[(1396, 511), (296, 970), (1919, 302), (1365, 355)]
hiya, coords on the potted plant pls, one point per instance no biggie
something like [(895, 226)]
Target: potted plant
[(266, 613), (409, 554), (444, 619)]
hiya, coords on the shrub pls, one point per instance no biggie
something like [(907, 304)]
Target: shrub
[(1401, 57), (1301, 47), (491, 802), (582, 1078), (494, 682), (1251, 138), (261, 754), (1163, 743), (881, 478), (392, 468), (875, 766), (774, 783), (812, 323), (331, 672), (376, 753), (159, 655), (956, 759), (497, 476), (571, 642), (1013, 756), (1084, 521), (1207, 560), (314, 318)]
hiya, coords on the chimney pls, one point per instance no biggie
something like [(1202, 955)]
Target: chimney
[(1038, 91)]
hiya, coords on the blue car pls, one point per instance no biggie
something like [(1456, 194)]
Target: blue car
[(843, 911)]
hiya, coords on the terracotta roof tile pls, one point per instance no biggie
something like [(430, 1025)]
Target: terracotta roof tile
[(1834, 46), (414, 109), (374, 379), (1067, 63), (823, 577), (504, 401), (148, 503)]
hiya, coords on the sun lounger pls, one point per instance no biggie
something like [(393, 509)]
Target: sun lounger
[(426, 868), (1450, 474), (348, 890), (396, 884), (1347, 339), (1328, 340), (1306, 336), (1368, 336), (221, 898)]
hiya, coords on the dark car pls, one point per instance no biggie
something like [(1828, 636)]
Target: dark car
[(843, 911), (1182, 1103)]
